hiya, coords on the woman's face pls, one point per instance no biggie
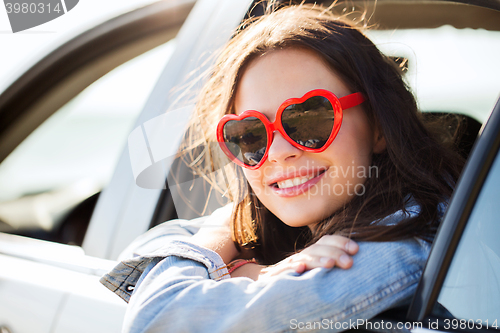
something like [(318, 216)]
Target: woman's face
[(302, 188)]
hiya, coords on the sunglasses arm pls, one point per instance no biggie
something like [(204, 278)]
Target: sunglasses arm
[(351, 100)]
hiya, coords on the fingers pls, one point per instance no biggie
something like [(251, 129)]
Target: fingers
[(313, 257), (330, 251), (327, 256), (340, 242), (298, 267)]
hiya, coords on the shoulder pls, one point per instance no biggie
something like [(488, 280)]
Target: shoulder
[(401, 257), (384, 275), (386, 264), (410, 210), (154, 238), (145, 251)]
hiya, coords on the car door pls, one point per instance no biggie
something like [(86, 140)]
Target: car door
[(460, 286), (47, 281)]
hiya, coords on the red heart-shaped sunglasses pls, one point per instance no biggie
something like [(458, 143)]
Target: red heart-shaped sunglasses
[(309, 123)]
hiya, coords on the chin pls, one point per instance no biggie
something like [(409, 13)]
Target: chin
[(302, 219), (297, 223), (306, 214)]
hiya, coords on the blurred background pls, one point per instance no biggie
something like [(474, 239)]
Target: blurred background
[(71, 156), (23, 49)]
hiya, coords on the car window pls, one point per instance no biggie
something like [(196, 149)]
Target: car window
[(449, 69), (471, 290), (465, 85), (71, 156)]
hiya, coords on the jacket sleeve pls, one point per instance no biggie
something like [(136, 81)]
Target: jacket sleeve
[(154, 238), (179, 292)]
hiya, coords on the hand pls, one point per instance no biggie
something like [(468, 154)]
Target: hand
[(327, 252), (215, 234)]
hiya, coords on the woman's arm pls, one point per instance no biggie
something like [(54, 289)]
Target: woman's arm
[(329, 251), (177, 293), (215, 234), (212, 232)]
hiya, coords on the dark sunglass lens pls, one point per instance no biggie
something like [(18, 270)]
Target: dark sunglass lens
[(246, 139), (309, 123)]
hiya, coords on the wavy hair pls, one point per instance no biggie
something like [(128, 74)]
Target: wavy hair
[(415, 165)]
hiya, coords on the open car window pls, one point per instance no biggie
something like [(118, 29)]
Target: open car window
[(451, 70), (70, 157)]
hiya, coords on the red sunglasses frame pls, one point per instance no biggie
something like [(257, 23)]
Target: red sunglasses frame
[(338, 104)]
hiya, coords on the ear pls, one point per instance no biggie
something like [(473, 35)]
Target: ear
[(379, 142)]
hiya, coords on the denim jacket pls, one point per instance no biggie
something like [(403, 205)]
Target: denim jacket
[(182, 287)]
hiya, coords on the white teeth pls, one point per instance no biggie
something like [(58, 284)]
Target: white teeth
[(293, 182)]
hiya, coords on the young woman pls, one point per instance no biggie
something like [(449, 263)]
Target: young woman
[(327, 145)]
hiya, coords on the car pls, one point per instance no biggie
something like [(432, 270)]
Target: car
[(63, 125), (59, 236)]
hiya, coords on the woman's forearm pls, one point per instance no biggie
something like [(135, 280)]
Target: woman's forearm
[(215, 234), (219, 242), (178, 294)]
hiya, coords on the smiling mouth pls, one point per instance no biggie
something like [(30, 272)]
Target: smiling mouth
[(292, 182)]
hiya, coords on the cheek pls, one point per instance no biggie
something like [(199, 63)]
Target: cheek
[(356, 135), (254, 178)]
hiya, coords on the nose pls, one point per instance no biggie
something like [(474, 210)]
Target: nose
[(282, 151)]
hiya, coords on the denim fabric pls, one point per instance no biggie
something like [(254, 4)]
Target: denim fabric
[(155, 237), (142, 251), (182, 287)]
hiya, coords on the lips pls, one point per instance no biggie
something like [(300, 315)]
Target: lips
[(297, 183)]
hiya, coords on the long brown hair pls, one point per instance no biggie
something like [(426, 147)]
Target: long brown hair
[(414, 166)]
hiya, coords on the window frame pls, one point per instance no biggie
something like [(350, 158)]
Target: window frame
[(451, 229), (73, 66), (66, 279), (125, 210)]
